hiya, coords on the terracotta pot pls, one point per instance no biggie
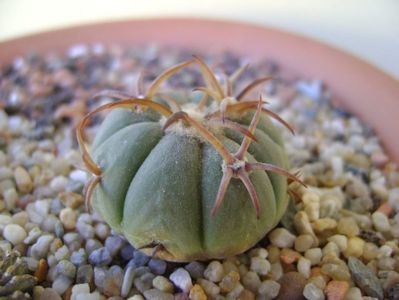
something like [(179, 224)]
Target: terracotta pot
[(360, 88)]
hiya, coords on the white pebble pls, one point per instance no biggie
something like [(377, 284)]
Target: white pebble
[(62, 253), (303, 266), (4, 220), (331, 248), (259, 252), (78, 175), (14, 233), (269, 288), (314, 255), (385, 250), (340, 240), (5, 246), (282, 238), (80, 289), (380, 221), (88, 296), (214, 272), (260, 265), (127, 281), (353, 293), (42, 207), (136, 297), (10, 198), (181, 278), (58, 183), (312, 292)]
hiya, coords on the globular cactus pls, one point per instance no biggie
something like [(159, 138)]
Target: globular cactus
[(184, 177)]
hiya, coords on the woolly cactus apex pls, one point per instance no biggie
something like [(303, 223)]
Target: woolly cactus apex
[(187, 178)]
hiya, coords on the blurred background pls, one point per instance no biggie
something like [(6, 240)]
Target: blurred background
[(368, 29)]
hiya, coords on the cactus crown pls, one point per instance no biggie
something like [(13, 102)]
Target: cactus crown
[(204, 119)]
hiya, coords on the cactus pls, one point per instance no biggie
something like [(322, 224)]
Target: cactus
[(184, 177)]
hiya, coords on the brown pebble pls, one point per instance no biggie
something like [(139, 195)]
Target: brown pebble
[(68, 293), (246, 295), (50, 294), (386, 209), (292, 285), (70, 199), (21, 248), (41, 271), (336, 290)]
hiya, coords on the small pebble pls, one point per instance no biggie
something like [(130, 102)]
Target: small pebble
[(68, 218), (102, 231), (340, 240), (158, 266), (61, 284), (113, 280), (312, 292), (214, 271), (163, 284), (181, 278), (380, 222), (353, 293), (85, 274), (88, 296), (197, 293), (196, 269), (41, 270), (79, 257), (303, 242), (157, 295), (229, 281), (291, 286), (14, 233), (65, 268), (85, 230), (100, 257), (282, 238), (114, 244), (77, 289), (355, 247), (127, 281), (348, 226), (365, 279), (260, 265), (50, 294), (303, 267), (269, 288), (41, 247), (210, 288), (140, 258), (336, 290), (136, 297), (23, 180), (58, 183), (251, 281)]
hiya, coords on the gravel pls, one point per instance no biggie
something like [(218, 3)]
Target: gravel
[(338, 240)]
